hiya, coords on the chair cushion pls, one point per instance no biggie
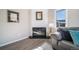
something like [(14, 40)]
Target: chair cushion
[(65, 34), (75, 36)]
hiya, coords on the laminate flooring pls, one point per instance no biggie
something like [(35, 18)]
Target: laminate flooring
[(25, 44)]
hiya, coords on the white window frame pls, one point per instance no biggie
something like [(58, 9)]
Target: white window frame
[(66, 19)]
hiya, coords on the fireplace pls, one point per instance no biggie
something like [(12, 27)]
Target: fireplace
[(39, 32)]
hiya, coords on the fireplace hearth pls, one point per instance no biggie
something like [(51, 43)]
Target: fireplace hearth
[(39, 32)]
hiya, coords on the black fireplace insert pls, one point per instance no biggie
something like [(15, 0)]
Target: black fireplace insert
[(39, 32)]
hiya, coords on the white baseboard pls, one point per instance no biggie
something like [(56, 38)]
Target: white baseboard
[(12, 41)]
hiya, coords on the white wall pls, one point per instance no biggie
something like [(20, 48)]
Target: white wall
[(73, 17), (39, 23), (52, 18), (14, 31), (51, 15)]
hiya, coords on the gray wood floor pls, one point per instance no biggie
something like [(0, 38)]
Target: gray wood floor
[(26, 44)]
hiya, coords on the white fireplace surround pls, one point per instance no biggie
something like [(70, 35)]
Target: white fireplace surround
[(39, 23)]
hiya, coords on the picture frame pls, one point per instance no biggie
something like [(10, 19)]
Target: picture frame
[(39, 15), (13, 16)]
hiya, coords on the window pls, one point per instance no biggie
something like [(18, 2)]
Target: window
[(61, 18)]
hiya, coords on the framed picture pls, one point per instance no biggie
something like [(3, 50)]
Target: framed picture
[(39, 15), (13, 16)]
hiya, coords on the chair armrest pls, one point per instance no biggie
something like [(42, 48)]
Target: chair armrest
[(56, 36)]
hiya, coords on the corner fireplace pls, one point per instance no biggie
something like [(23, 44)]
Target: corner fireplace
[(39, 32)]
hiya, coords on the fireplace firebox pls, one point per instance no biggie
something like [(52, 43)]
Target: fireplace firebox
[(39, 32)]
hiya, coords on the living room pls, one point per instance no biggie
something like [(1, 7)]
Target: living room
[(25, 24)]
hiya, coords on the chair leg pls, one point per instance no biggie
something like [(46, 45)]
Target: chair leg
[(57, 43)]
